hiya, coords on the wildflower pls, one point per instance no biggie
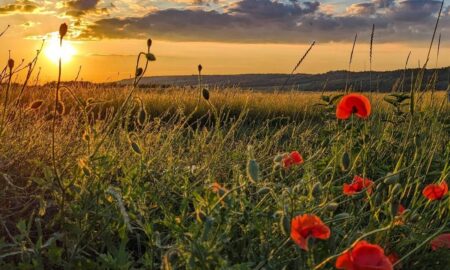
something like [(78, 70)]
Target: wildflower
[(364, 256), (399, 219), (294, 158), (358, 185), (442, 241), (218, 189), (435, 191), (393, 257), (400, 210), (353, 104), (305, 226)]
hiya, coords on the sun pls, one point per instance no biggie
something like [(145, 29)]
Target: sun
[(53, 51)]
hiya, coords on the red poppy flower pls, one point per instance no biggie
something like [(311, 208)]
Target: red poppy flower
[(364, 256), (358, 185), (435, 191), (305, 226), (219, 189), (442, 241), (294, 158), (353, 103), (393, 258), (399, 219)]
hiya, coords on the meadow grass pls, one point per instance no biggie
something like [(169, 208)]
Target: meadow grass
[(145, 195)]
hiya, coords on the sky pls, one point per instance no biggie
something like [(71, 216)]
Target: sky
[(225, 36)]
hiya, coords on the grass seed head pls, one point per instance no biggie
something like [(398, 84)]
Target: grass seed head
[(200, 68)]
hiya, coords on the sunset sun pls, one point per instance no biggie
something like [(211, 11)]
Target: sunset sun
[(53, 51)]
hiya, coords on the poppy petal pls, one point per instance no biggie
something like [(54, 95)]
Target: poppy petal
[(343, 112), (305, 226), (353, 103), (345, 261), (433, 192), (442, 241)]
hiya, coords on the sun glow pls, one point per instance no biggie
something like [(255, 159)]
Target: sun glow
[(53, 51)]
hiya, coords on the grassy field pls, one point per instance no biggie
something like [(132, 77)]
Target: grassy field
[(175, 181)]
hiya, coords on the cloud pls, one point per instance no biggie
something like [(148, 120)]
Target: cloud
[(277, 21), (78, 8), (19, 6)]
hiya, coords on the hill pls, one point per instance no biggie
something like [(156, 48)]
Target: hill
[(382, 81)]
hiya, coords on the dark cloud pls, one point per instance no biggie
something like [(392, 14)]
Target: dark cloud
[(288, 21), (267, 9), (83, 4), (19, 6), (78, 8), (415, 10)]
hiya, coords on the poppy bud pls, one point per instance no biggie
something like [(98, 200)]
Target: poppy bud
[(62, 30), (10, 64), (136, 148), (394, 208), (342, 216), (149, 43), (36, 104), (139, 72), (278, 158), (200, 67), (332, 206), (60, 107), (397, 188), (142, 117), (317, 190), (263, 190), (345, 161), (284, 224), (205, 94), (391, 179), (150, 57), (253, 170)]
